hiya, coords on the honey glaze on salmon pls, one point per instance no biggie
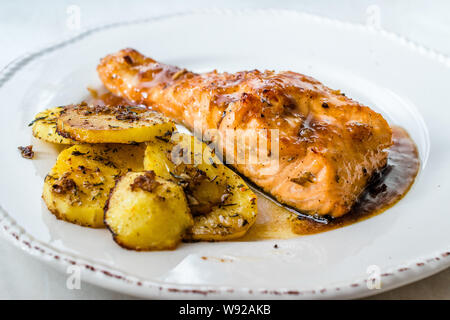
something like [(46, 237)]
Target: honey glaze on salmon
[(328, 145), (278, 222)]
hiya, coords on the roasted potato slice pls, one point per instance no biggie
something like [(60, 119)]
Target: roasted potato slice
[(44, 126), (112, 124), (146, 212), (222, 204), (78, 185)]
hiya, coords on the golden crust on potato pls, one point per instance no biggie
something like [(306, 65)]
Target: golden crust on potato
[(223, 206), (186, 192), (146, 212), (78, 185), (112, 124), (44, 126)]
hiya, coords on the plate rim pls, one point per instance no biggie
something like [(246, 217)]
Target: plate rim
[(96, 273)]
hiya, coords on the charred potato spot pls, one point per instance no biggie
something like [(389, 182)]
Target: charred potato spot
[(146, 182), (112, 124), (44, 126), (26, 152), (223, 206), (78, 185), (146, 212)]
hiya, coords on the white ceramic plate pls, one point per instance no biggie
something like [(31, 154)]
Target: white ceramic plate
[(407, 83)]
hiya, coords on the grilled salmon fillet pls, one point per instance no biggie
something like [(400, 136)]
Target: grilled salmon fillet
[(328, 145)]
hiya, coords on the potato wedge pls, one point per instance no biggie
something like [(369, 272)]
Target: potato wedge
[(112, 124), (78, 186), (44, 126), (222, 204), (145, 212)]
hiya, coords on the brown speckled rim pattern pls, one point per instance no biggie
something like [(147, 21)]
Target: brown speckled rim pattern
[(121, 281)]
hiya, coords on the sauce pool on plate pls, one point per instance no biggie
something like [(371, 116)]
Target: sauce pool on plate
[(276, 222)]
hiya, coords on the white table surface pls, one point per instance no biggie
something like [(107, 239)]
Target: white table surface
[(26, 25)]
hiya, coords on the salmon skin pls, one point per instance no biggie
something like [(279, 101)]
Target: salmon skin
[(328, 146)]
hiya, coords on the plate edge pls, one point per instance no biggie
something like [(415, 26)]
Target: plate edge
[(20, 238)]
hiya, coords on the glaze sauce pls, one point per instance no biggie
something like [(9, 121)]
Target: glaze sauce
[(105, 98), (278, 222)]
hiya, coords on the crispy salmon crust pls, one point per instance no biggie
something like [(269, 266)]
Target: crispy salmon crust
[(328, 145)]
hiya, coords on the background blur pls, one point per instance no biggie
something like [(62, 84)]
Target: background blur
[(27, 25)]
